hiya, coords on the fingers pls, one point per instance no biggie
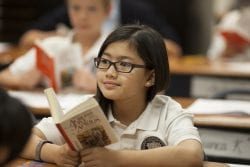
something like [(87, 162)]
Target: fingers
[(68, 157), (86, 152), (71, 162)]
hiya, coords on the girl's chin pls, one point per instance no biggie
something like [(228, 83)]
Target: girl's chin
[(110, 95), (83, 32)]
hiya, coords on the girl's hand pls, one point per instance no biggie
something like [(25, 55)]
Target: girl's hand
[(66, 157), (100, 157)]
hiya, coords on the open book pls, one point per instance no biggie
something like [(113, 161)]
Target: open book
[(57, 62), (82, 126)]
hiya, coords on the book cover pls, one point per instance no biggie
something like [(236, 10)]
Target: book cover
[(82, 126), (46, 64), (234, 37)]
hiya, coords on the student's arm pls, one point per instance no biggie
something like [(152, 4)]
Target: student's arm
[(27, 80), (84, 80), (29, 37), (188, 153), (60, 155)]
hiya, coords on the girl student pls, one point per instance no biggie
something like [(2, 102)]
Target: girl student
[(132, 68)]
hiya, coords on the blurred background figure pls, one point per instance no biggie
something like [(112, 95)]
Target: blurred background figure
[(15, 127), (231, 39), (122, 12), (189, 22), (185, 23), (75, 50)]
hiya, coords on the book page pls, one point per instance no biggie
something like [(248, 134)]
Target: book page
[(67, 62), (212, 106), (55, 108)]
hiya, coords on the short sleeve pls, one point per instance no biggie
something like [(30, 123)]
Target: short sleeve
[(179, 125), (47, 126), (182, 128)]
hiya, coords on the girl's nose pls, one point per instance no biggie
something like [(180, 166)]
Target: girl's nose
[(84, 14), (111, 71)]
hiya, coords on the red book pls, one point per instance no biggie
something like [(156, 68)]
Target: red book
[(46, 64), (235, 37)]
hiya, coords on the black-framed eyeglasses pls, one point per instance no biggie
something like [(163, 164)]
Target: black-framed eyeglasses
[(120, 66)]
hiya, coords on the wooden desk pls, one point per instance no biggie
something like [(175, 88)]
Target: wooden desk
[(197, 76), (215, 120), (225, 138), (222, 121), (21, 161), (199, 120), (201, 65)]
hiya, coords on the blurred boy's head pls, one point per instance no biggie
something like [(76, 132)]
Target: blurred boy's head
[(15, 127), (87, 16)]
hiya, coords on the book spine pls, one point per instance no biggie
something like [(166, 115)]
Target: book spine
[(65, 136)]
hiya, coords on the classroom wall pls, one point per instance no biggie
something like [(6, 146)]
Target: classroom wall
[(17, 15)]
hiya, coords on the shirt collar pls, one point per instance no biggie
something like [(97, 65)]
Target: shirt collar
[(149, 119)]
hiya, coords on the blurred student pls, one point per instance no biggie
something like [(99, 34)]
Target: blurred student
[(80, 46), (15, 127), (152, 129), (231, 40), (123, 12)]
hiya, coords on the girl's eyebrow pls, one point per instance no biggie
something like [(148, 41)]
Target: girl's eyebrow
[(106, 54), (121, 57)]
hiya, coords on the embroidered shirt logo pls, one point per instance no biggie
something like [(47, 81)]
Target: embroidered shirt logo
[(152, 142)]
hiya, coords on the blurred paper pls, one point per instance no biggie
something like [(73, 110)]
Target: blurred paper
[(238, 165), (38, 99), (214, 106)]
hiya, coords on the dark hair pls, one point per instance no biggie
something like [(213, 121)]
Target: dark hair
[(15, 125), (150, 46)]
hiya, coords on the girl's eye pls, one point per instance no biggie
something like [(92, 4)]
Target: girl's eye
[(92, 8), (75, 8), (103, 61), (125, 64)]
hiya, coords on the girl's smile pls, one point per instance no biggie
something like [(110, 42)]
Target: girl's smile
[(110, 85)]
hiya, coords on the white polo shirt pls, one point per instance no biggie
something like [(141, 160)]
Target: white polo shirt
[(162, 123)]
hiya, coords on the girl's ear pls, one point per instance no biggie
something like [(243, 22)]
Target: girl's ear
[(150, 79)]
